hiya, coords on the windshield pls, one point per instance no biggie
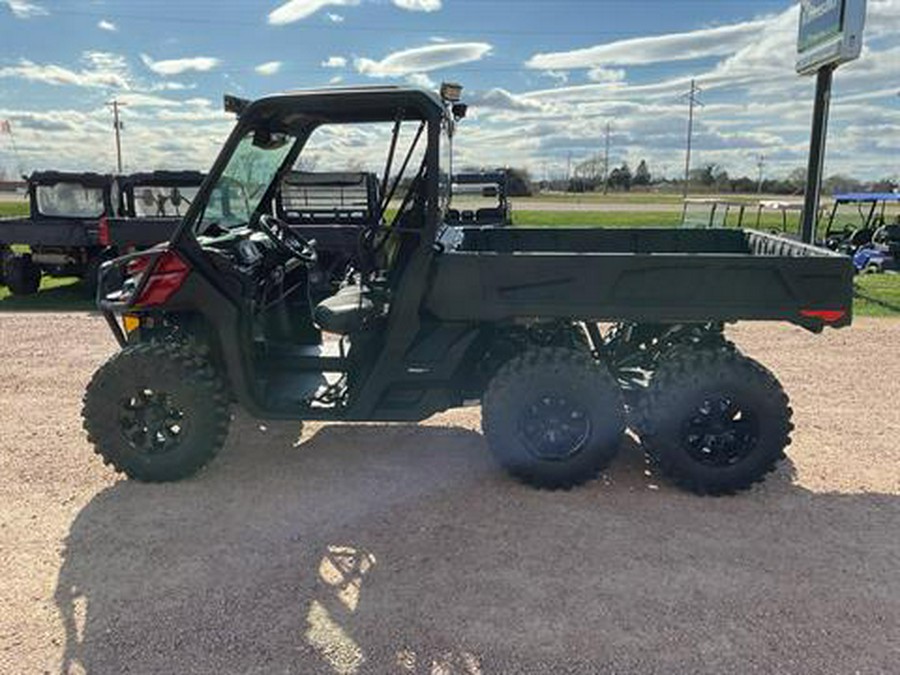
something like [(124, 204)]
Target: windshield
[(70, 200), (238, 191), (155, 201)]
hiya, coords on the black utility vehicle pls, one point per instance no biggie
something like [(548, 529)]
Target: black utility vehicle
[(79, 220), (63, 230), (437, 317), (493, 186)]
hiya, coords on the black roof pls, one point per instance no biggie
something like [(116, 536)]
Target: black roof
[(164, 178), (345, 104), (55, 177)]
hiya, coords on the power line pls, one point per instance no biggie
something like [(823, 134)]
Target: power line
[(693, 101), (761, 165), (606, 161), (115, 105)]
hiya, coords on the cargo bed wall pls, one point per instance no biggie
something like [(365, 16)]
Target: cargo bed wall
[(696, 282), (51, 233)]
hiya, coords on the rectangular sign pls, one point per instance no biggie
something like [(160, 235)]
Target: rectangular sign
[(830, 33)]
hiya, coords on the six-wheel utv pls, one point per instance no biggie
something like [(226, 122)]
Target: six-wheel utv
[(435, 316)]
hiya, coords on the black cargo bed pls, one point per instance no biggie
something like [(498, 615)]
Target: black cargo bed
[(643, 275)]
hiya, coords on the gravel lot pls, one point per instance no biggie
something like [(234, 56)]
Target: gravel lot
[(379, 549)]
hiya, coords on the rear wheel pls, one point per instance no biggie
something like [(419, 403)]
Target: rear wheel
[(553, 418), (714, 421), (157, 412), (23, 277)]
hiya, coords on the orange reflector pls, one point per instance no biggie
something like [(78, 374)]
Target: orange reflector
[(131, 323)]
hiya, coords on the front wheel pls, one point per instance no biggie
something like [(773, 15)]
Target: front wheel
[(714, 421), (157, 412), (553, 418)]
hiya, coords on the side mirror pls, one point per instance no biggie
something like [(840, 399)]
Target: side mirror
[(265, 139)]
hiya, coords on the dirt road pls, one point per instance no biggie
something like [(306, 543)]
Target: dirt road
[(400, 549)]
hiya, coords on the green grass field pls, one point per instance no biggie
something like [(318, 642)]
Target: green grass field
[(13, 209)]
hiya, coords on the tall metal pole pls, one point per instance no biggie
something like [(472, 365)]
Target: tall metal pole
[(817, 153), (118, 127), (761, 165), (692, 99), (606, 163)]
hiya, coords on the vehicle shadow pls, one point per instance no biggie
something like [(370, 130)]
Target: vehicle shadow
[(402, 549)]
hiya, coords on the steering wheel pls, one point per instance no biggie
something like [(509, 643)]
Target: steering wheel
[(287, 240)]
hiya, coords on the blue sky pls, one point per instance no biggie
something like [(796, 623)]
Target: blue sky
[(544, 77)]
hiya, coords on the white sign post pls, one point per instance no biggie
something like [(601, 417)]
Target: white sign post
[(831, 33)]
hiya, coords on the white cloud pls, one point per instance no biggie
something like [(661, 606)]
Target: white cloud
[(269, 68), (103, 24), (137, 100), (337, 79), (419, 5), (21, 9), (424, 59), (297, 10), (501, 99), (334, 62), (177, 66), (719, 41), (104, 70), (335, 18), (421, 80), (608, 75)]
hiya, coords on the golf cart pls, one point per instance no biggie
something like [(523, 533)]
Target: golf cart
[(855, 217), (438, 316), (883, 254), (472, 189)]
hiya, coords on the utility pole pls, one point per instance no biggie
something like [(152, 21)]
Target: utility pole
[(693, 101), (569, 166), (606, 162), (115, 105), (761, 165)]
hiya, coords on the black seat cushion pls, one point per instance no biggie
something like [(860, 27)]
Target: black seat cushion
[(346, 311)]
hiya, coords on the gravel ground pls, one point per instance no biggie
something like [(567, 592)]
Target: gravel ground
[(380, 549)]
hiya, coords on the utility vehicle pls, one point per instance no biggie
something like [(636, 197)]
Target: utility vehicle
[(437, 317), (79, 220), (475, 189), (63, 230)]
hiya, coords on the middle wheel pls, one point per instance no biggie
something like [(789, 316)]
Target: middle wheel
[(553, 418)]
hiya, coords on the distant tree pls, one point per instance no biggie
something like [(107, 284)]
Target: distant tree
[(620, 178), (837, 183), (518, 183), (743, 185), (720, 179), (642, 175), (797, 180)]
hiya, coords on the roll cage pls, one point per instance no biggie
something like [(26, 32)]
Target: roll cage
[(300, 114)]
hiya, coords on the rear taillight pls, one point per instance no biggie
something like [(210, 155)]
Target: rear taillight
[(167, 274), (103, 231)]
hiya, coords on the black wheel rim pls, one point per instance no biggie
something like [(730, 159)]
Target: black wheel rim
[(151, 422), (554, 428), (721, 432)]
